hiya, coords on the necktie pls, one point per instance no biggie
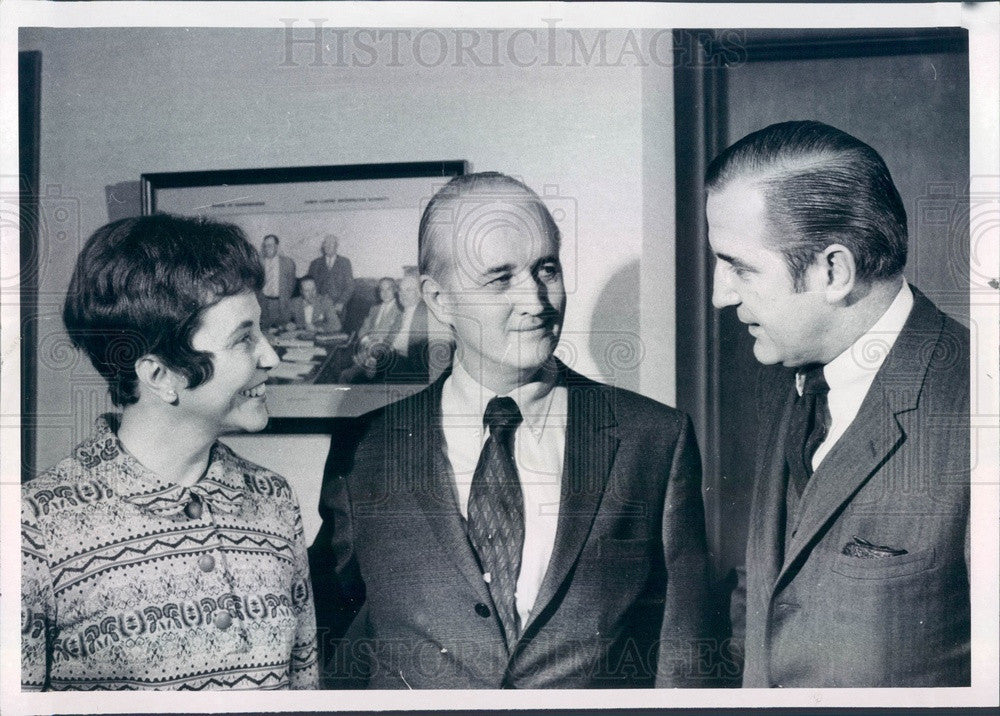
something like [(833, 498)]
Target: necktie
[(809, 424), (496, 511)]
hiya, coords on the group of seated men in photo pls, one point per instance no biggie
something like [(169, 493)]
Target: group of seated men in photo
[(392, 336)]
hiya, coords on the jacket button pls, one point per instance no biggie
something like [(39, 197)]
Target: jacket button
[(206, 562), (193, 508), (482, 610), (223, 621)]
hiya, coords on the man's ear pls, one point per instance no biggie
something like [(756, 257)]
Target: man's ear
[(157, 379), (437, 299), (841, 272)]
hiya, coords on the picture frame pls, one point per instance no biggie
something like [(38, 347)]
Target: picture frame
[(374, 211)]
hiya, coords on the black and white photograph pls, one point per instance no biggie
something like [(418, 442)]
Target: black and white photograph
[(341, 300), (414, 355)]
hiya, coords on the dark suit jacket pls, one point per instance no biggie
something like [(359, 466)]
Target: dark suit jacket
[(388, 326), (624, 594), (286, 287), (899, 477), (336, 282), (324, 318)]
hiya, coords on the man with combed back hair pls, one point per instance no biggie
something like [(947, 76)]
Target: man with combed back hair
[(514, 525), (857, 561)]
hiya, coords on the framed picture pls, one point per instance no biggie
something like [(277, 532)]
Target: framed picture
[(341, 302)]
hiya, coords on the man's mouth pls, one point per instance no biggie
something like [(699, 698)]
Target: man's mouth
[(255, 392)]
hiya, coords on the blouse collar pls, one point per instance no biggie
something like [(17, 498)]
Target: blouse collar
[(222, 486)]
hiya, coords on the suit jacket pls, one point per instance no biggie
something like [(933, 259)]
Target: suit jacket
[(899, 478), (324, 318), (386, 327), (286, 287), (623, 600), (337, 282)]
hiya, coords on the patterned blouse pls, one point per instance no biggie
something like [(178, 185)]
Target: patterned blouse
[(133, 582)]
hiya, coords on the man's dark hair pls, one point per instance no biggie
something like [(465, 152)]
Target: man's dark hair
[(821, 186), (478, 189), (141, 286), (271, 236)]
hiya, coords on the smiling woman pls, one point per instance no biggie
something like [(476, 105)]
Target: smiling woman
[(154, 557)]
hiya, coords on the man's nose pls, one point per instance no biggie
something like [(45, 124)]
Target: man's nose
[(530, 295), (722, 293)]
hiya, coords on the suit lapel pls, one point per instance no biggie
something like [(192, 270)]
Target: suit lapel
[(875, 432), (767, 533), (421, 428), (591, 444)]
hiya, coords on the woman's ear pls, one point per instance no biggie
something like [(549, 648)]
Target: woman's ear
[(157, 379)]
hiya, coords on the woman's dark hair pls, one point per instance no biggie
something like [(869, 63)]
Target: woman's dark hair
[(140, 287)]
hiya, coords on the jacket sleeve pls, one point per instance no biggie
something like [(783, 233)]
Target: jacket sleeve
[(684, 631), (345, 282), (37, 604), (338, 588)]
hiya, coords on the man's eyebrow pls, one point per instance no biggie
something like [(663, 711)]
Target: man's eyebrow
[(502, 268), (733, 261)]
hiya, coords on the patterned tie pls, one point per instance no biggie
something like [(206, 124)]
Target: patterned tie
[(496, 511), (808, 427)]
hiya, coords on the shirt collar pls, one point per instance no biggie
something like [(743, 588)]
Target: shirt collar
[(862, 360), (222, 485), (464, 395)]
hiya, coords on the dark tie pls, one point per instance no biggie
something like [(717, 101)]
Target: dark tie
[(808, 427), (496, 511)]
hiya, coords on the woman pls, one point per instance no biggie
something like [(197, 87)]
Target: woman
[(154, 557)]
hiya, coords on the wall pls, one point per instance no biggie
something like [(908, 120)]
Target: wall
[(120, 102), (914, 110)]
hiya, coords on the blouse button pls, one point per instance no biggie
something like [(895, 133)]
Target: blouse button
[(223, 621), (193, 508), (206, 562)]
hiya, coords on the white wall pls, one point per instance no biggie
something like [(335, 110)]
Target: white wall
[(120, 102)]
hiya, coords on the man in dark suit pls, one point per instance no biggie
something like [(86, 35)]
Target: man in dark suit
[(312, 311), (333, 274), (857, 562), (275, 297), (514, 525)]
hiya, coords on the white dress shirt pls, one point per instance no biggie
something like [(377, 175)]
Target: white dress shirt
[(401, 343), (271, 288), (539, 446), (850, 374)]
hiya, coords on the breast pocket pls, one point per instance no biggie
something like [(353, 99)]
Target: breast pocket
[(883, 567)]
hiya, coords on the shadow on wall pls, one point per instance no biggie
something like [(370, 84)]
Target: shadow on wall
[(613, 339)]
